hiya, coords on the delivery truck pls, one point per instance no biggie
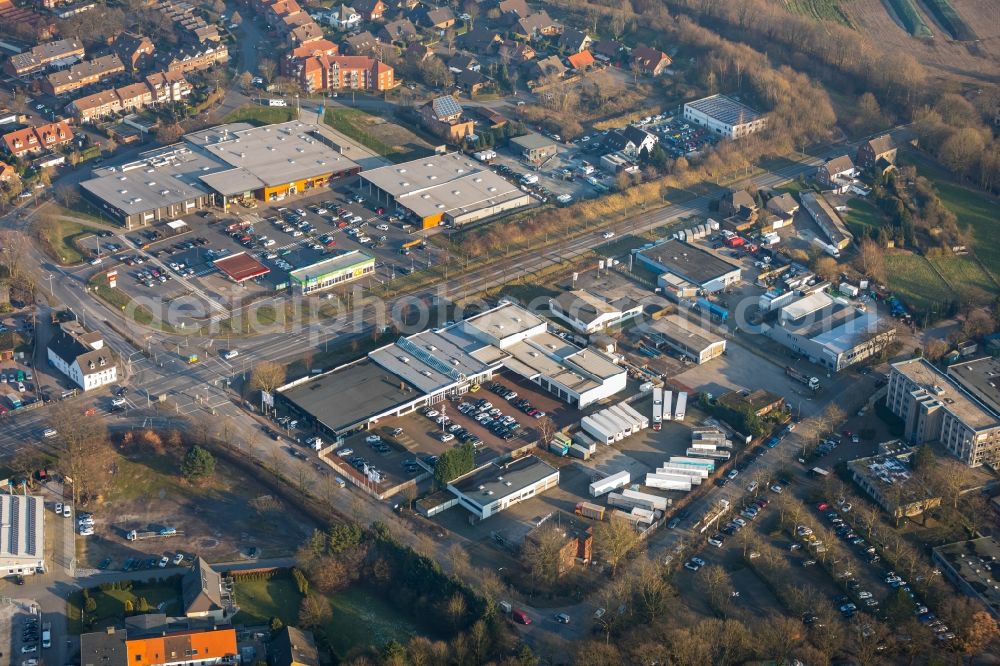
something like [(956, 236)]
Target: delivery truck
[(803, 378)]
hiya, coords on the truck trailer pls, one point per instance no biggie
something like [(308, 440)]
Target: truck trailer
[(590, 510), (803, 378), (613, 425), (713, 454), (628, 409), (657, 419), (668, 403), (668, 482), (692, 462), (607, 484), (600, 431), (682, 401), (655, 502)]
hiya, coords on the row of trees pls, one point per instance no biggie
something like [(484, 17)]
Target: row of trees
[(956, 131)]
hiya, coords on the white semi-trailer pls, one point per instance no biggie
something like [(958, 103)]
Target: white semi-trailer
[(607, 484), (682, 400)]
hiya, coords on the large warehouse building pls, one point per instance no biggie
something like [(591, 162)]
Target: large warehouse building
[(697, 267), (216, 167), (442, 189), (427, 367), (830, 332), (725, 116)]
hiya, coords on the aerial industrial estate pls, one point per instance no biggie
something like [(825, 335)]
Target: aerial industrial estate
[(498, 332)]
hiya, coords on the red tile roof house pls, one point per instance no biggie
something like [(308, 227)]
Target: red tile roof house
[(649, 61), (581, 61), (36, 139)]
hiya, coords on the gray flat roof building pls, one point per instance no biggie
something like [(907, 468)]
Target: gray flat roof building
[(442, 188), (494, 487), (22, 535), (700, 267), (687, 337), (212, 165)]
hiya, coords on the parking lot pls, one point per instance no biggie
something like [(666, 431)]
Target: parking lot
[(155, 263)]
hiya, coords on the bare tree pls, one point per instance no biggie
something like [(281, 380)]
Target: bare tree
[(614, 539), (718, 587), (650, 588), (267, 376), (540, 554)]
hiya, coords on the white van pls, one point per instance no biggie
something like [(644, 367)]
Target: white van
[(277, 102), (340, 482), (230, 354)]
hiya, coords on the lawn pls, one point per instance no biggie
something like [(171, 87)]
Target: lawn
[(256, 114), (60, 239), (621, 245), (362, 617), (260, 600), (120, 300), (353, 123), (828, 10), (863, 216), (975, 210), (965, 275), (913, 280), (162, 596)]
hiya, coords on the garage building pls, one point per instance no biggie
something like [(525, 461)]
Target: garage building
[(534, 148), (442, 189), (494, 487), (697, 343), (706, 270)]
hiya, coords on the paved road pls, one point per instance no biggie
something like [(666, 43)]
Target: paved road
[(199, 389)]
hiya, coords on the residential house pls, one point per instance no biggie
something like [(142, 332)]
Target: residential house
[(400, 31), (443, 116), (418, 52), (518, 8), (82, 356), (631, 141), (136, 51), (472, 82), (515, 52), (463, 62), (37, 58), (41, 27), (581, 61), (201, 593), (344, 17), (163, 646), (7, 173), (545, 68), (31, 140), (739, 204), (783, 207), (608, 50), (318, 47), (292, 647), (194, 60), (493, 118), (370, 10), (438, 18), (574, 41), (305, 33), (82, 74), (363, 43), (649, 61), (873, 150), (479, 40), (133, 97), (168, 87), (535, 26), (836, 174)]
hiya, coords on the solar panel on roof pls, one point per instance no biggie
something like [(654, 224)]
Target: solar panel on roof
[(446, 106)]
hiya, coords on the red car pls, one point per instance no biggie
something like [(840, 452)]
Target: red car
[(341, 224), (822, 506), (380, 210)]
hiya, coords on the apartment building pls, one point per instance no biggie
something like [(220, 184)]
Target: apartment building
[(36, 59), (82, 74), (158, 88), (935, 406), (168, 86), (333, 72)]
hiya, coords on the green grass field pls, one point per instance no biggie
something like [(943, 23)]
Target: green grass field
[(828, 10), (907, 12), (912, 278), (352, 122), (260, 600), (967, 277), (361, 617), (161, 597), (975, 210), (256, 114), (863, 216), (60, 239)]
